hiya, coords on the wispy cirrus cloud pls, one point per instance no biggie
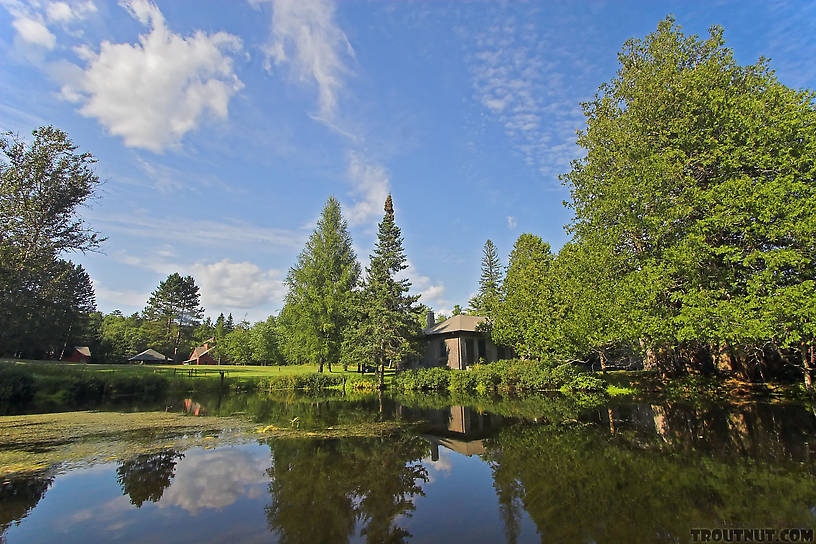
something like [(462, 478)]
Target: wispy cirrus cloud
[(306, 41), (305, 38), (523, 89)]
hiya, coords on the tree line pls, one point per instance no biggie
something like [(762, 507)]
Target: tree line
[(694, 215)]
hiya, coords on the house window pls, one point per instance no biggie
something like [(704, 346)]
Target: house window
[(443, 351), (482, 349)]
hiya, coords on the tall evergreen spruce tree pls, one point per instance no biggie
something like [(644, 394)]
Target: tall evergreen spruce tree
[(486, 300), (388, 326), (316, 313)]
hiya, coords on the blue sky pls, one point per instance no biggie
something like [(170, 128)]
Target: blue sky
[(221, 128)]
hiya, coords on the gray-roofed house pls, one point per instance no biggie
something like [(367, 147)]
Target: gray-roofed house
[(456, 342), (149, 356)]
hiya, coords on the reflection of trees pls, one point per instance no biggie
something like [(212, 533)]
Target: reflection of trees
[(146, 476), (18, 496), (582, 483), (321, 489)]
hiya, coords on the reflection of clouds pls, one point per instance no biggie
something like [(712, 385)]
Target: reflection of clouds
[(437, 469), (108, 515), (215, 479)]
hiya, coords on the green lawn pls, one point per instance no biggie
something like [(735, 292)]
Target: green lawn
[(233, 371)]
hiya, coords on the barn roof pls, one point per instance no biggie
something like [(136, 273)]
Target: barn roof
[(457, 323), (84, 350), (148, 355)]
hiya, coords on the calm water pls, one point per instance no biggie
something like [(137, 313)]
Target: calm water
[(476, 470)]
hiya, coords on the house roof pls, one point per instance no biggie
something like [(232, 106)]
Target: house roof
[(148, 355), (84, 350), (201, 350), (457, 323)]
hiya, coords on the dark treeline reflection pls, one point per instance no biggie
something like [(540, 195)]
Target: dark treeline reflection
[(19, 495), (321, 490), (145, 477), (642, 473)]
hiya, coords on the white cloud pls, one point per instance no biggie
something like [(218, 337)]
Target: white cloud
[(228, 284), (118, 298), (142, 224), (431, 293), (63, 12), (153, 92), (371, 186), (215, 479), (518, 83), (34, 32), (305, 37), (511, 222)]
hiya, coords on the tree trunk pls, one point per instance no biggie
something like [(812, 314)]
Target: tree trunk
[(807, 365), (381, 380), (176, 344), (320, 366), (329, 363)]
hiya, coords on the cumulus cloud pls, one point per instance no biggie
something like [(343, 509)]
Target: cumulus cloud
[(371, 185), (228, 284), (153, 92), (305, 37), (215, 479)]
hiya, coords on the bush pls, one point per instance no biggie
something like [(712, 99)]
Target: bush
[(513, 376), (306, 382), (423, 379), (16, 387)]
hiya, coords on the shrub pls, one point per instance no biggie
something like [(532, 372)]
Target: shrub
[(16, 387), (423, 379)]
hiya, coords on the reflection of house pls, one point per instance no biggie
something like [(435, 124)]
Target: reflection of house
[(457, 342), (79, 354), (148, 356), (202, 355), (463, 431)]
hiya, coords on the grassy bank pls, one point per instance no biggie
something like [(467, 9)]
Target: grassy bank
[(56, 385)]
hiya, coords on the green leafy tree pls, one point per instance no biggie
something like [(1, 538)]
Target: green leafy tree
[(317, 305), (175, 304), (488, 296), (388, 325), (264, 340), (698, 176), (43, 298)]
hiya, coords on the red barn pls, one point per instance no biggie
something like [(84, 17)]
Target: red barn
[(79, 354), (201, 356)]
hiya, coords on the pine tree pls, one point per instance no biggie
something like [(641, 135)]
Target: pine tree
[(175, 303), (320, 290), (485, 301), (388, 326)]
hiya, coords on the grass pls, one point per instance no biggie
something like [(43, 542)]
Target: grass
[(243, 371)]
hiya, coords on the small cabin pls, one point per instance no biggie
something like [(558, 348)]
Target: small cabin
[(202, 355), (78, 354), (457, 342), (149, 356)]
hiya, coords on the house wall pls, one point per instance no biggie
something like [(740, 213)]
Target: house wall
[(456, 349)]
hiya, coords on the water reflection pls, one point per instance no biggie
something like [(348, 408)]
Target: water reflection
[(547, 469), (321, 490), (145, 477)]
